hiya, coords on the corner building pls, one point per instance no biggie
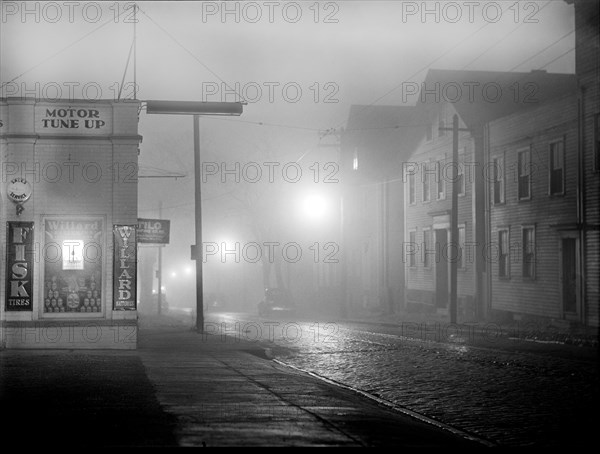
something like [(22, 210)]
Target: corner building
[(69, 215)]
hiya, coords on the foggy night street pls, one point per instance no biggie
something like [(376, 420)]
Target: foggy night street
[(348, 223)]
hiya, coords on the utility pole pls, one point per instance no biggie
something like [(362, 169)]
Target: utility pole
[(159, 270), (454, 218), (198, 217)]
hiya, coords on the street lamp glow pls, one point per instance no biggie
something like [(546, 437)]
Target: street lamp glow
[(315, 207)]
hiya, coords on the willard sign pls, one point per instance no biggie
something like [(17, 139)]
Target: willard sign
[(153, 231), (124, 271)]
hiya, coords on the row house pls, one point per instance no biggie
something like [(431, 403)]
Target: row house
[(544, 200), (476, 98), (528, 182), (536, 269)]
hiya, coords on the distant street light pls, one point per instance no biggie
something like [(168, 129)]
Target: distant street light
[(315, 207), (196, 109)]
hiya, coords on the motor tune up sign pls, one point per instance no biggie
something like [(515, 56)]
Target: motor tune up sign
[(125, 271), (19, 263)]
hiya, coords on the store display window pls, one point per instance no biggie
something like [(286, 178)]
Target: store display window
[(73, 265)]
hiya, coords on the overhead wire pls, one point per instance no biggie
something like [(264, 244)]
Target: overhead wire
[(63, 49)]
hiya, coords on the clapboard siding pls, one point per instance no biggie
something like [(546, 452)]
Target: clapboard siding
[(536, 128), (587, 63), (420, 281)]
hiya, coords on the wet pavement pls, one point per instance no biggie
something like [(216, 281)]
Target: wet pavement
[(185, 389), (508, 388)]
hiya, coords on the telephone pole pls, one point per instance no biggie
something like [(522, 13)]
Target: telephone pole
[(454, 218)]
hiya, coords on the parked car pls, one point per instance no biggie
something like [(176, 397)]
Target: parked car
[(276, 300)]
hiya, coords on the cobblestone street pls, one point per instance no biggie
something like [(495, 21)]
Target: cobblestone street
[(502, 393)]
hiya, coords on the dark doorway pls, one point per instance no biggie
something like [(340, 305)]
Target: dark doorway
[(441, 268)]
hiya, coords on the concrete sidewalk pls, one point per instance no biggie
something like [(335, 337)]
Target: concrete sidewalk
[(182, 388)]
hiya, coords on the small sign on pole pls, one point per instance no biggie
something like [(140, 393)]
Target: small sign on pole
[(153, 231)]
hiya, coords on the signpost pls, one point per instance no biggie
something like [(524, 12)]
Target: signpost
[(196, 109)]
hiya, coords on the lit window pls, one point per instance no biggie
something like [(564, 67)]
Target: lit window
[(72, 254)]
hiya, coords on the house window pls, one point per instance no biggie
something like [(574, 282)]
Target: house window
[(460, 173), (503, 254), (557, 167), (426, 183), (412, 248), (355, 160), (524, 174), (411, 189), (528, 239), (498, 178), (461, 247), (440, 183), (426, 247)]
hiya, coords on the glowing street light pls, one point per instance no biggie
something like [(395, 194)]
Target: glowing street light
[(315, 206)]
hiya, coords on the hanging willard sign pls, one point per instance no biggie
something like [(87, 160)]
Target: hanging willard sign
[(19, 262), (125, 271), (153, 231)]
